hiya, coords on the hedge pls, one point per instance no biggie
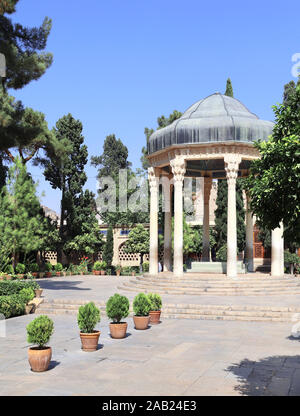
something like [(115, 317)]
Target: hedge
[(12, 305), (12, 287)]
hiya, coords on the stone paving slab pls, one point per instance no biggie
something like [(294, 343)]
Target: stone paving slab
[(177, 357)]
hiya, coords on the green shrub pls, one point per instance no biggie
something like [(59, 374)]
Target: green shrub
[(155, 301), (58, 267), (117, 307), (146, 267), (221, 254), (87, 318), (118, 267), (9, 269), (10, 287), (126, 271), (141, 305), (11, 306), (20, 268), (134, 269), (48, 267), (97, 266), (39, 331), (26, 295), (33, 268)]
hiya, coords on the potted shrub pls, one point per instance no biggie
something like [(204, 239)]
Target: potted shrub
[(26, 295), (141, 308), (39, 332), (97, 268), (38, 292), (58, 269), (33, 269), (48, 268), (9, 270), (103, 268), (117, 307), (87, 318), (118, 269), (20, 270), (155, 310)]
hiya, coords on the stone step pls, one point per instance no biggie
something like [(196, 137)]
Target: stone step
[(218, 280), (179, 291)]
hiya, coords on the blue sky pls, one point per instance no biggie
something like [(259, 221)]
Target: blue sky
[(119, 64)]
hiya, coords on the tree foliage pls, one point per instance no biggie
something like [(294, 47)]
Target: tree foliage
[(138, 242), (108, 251), (274, 182)]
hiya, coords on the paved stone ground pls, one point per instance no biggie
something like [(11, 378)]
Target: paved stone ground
[(177, 357), (102, 287)]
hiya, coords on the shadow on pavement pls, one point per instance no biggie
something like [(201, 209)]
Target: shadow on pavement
[(67, 285), (270, 376)]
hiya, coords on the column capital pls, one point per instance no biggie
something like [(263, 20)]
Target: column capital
[(178, 165), (153, 178), (232, 162)]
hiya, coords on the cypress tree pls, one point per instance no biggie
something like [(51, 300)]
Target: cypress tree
[(108, 251), (229, 89)]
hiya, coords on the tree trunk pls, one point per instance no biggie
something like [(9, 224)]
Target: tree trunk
[(141, 262)]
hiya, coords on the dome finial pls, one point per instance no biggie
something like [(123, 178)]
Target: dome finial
[(229, 89)]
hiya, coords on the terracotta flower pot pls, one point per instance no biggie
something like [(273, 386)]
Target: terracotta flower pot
[(118, 272), (48, 274), (141, 322), (8, 277), (64, 274), (96, 272), (39, 359), (34, 274), (102, 272), (57, 274), (132, 273), (38, 293), (118, 331), (20, 276), (41, 274), (89, 342), (154, 317)]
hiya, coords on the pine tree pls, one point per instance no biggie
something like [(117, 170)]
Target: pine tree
[(108, 251), (23, 48), (22, 226)]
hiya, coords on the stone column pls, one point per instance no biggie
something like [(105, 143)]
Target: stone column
[(206, 248), (153, 253), (167, 187), (277, 265), (249, 236), (232, 162), (178, 170)]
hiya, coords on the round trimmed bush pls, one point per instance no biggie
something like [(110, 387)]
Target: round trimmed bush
[(97, 266), (58, 267), (48, 267), (39, 331), (20, 268), (141, 305), (155, 301), (26, 295), (88, 317), (117, 307)]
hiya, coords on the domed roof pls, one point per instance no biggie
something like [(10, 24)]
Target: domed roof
[(216, 118)]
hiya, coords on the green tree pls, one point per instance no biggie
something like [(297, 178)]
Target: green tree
[(114, 159), (108, 251), (22, 226), (274, 182), (229, 89), (78, 227), (138, 242), (23, 48), (221, 215)]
